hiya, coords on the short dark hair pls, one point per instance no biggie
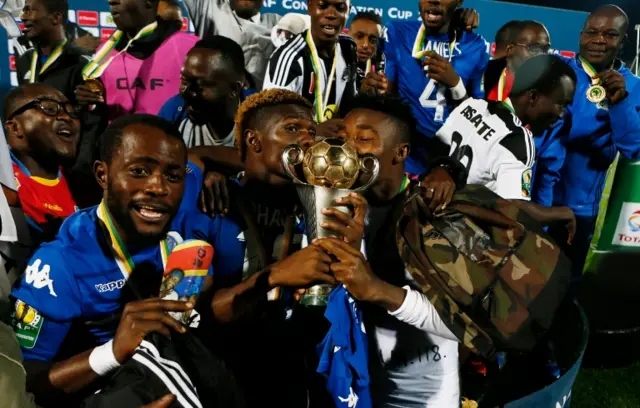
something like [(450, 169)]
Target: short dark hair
[(57, 6), (228, 49), (506, 33), (112, 136), (16, 95), (393, 106), (368, 15), (251, 111), (542, 73)]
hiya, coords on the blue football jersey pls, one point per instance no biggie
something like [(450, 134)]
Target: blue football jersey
[(430, 101), (76, 279)]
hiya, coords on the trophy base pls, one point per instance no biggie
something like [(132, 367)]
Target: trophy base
[(317, 296)]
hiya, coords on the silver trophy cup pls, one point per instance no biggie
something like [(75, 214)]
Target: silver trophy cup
[(341, 167)]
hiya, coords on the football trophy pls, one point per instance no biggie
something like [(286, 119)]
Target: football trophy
[(331, 167)]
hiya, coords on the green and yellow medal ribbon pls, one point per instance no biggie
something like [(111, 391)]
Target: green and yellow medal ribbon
[(321, 102), (96, 67), (590, 70), (405, 183), (57, 52), (507, 102), (118, 248), (418, 45)]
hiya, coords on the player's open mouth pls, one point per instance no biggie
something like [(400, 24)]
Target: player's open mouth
[(65, 134), (150, 213), (329, 30), (433, 15)]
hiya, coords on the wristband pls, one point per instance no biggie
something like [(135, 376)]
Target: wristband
[(458, 92), (102, 360)]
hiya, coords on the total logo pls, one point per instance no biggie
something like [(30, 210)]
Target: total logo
[(634, 222)]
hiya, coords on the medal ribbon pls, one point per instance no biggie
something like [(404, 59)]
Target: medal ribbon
[(57, 52), (405, 183), (588, 68), (96, 66), (118, 248), (418, 46), (317, 69), (368, 69), (507, 102)]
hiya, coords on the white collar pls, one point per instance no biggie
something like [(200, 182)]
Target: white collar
[(256, 18)]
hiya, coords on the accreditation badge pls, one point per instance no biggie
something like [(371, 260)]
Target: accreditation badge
[(27, 323)]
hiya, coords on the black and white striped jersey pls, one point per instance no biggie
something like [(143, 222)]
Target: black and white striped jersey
[(491, 142), (290, 67)]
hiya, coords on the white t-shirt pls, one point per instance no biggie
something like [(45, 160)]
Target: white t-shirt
[(494, 146)]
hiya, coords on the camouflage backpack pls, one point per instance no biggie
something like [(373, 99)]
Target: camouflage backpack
[(495, 277)]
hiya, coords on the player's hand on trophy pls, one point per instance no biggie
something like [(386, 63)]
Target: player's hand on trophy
[(350, 228), (352, 269), (90, 93), (437, 189), (302, 269), (142, 317), (375, 82), (440, 69), (614, 84), (214, 197), (333, 128)]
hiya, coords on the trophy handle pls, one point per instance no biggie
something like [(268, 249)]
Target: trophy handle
[(292, 156), (374, 170)]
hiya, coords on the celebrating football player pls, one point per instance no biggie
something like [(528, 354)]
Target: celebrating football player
[(434, 64), (494, 141)]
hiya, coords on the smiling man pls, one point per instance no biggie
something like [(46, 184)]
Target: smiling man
[(366, 30), (434, 64), (211, 81), (318, 63), (603, 120), (42, 131), (81, 276)]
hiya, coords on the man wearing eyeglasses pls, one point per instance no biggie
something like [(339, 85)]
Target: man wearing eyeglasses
[(528, 39), (42, 129)]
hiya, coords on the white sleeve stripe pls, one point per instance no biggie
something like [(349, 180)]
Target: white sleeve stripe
[(285, 59), (532, 149)]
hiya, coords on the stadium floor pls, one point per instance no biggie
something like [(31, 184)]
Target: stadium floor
[(607, 388)]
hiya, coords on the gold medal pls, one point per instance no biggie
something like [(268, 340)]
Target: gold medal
[(596, 93)]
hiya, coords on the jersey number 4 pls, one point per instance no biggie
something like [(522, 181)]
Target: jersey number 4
[(438, 103), (460, 152)]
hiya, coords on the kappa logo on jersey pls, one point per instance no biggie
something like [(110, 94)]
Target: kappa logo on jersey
[(27, 323), (111, 286), (351, 400), (526, 183), (39, 277)]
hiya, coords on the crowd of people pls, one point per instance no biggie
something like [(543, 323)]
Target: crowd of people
[(122, 150)]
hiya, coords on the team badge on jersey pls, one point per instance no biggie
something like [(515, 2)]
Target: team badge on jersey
[(27, 323), (526, 183)]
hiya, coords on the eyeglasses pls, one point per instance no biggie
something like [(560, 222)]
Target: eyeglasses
[(535, 49), (49, 107)]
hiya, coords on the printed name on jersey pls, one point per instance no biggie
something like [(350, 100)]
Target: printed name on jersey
[(442, 48), (110, 286), (475, 118), (526, 183), (27, 323), (39, 277)]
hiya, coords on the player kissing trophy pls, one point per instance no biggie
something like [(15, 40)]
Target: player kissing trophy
[(331, 167)]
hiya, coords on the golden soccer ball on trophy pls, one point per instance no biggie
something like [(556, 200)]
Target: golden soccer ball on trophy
[(331, 163)]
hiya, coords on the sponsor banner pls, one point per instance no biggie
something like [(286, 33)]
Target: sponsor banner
[(105, 33), (88, 18), (106, 20), (94, 31), (12, 62), (628, 228)]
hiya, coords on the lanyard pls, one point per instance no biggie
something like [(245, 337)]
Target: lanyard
[(57, 52), (588, 68), (96, 67), (320, 102), (507, 102), (418, 46), (118, 248), (596, 93)]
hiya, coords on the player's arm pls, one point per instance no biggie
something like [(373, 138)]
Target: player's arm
[(549, 163), (625, 115), (222, 159), (215, 164), (299, 270), (283, 70), (475, 87)]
